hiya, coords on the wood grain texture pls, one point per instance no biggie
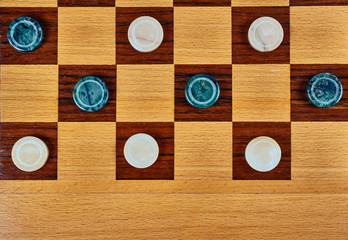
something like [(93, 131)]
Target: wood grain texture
[(259, 3), (321, 40), (202, 3), (221, 110), (29, 93), (242, 51), (145, 93), (10, 133), (86, 3), (163, 168), (318, 2), (202, 35), (86, 151), (177, 216), (244, 132), (142, 3), (126, 54), (261, 93), (46, 53), (319, 150), (69, 75), (86, 36), (301, 108), (28, 3), (203, 151)]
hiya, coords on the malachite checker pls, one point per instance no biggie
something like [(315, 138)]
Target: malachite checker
[(25, 34), (324, 90), (202, 91), (90, 94)]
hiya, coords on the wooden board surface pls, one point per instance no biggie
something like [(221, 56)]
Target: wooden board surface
[(201, 187)]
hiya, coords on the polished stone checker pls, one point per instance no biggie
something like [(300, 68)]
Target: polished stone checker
[(90, 94), (25, 34), (324, 90), (202, 91)]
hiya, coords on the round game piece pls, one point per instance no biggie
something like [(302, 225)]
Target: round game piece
[(29, 154), (265, 34), (324, 90), (145, 34), (90, 94), (25, 34), (141, 150), (202, 91), (263, 154)]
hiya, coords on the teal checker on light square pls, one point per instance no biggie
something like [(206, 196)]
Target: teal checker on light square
[(25, 34), (202, 91), (324, 90), (90, 94)]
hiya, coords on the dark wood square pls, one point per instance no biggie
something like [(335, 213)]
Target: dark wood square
[(301, 108), (244, 132), (242, 51), (221, 110), (163, 168), (186, 3), (126, 54), (86, 3), (318, 2), (10, 133), (46, 53), (69, 75)]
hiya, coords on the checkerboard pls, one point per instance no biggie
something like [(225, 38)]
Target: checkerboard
[(261, 93)]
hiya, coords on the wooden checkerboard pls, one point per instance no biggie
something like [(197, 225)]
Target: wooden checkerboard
[(201, 186)]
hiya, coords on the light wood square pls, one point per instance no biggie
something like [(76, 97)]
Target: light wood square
[(319, 150), (144, 3), (86, 151), (29, 93), (258, 3), (28, 3), (203, 150), (261, 92), (318, 39), (145, 93), (202, 35), (86, 35)]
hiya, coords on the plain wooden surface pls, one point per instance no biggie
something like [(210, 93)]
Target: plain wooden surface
[(261, 92), (28, 3), (86, 35), (259, 3), (86, 3), (188, 3), (318, 2), (142, 3), (36, 96), (310, 38), (195, 34), (145, 93)]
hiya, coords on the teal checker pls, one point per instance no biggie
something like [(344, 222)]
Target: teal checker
[(91, 94), (25, 34), (324, 90), (202, 91)]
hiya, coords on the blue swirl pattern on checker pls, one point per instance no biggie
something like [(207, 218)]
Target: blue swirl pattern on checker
[(91, 94), (202, 91), (25, 34), (324, 90)]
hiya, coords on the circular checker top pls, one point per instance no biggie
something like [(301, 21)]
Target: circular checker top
[(141, 150), (90, 94), (324, 90), (25, 34), (265, 34), (145, 34), (263, 154), (202, 91), (29, 154)]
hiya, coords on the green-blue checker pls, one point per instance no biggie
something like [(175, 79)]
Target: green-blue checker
[(202, 91), (25, 34), (324, 90), (91, 94)]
